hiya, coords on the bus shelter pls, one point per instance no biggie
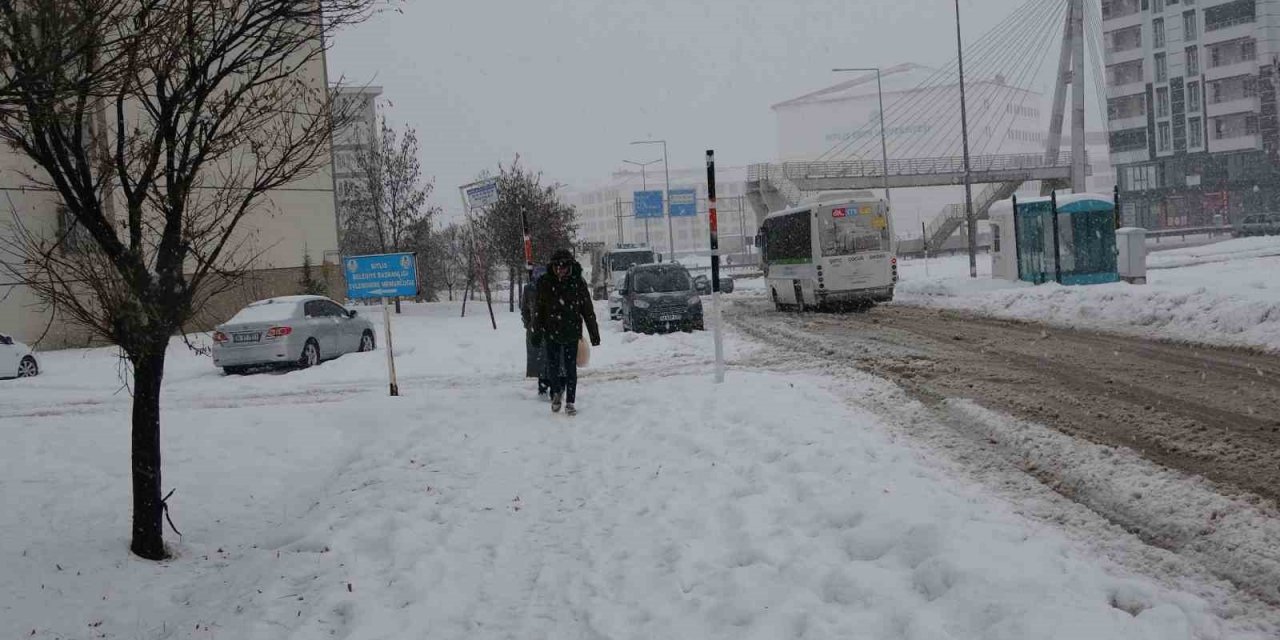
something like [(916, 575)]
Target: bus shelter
[(1080, 248)]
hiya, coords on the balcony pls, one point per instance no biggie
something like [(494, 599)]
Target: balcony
[(1234, 31), (1241, 104)]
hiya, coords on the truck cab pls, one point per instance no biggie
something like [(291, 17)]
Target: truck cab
[(613, 268)]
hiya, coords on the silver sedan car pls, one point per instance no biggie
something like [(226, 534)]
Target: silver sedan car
[(298, 331), (16, 359)]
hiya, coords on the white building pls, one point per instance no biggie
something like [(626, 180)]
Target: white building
[(606, 211), (1192, 100)]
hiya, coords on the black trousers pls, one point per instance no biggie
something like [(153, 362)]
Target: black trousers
[(562, 369)]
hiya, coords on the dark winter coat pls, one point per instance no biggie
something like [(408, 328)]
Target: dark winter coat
[(535, 355), (562, 306)]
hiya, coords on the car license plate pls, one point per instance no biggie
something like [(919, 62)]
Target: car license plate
[(668, 318), (240, 338)]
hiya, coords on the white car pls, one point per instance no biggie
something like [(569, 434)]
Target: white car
[(298, 331), (16, 359)]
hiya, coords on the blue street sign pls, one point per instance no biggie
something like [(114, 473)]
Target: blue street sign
[(648, 204), (684, 203), (389, 275)]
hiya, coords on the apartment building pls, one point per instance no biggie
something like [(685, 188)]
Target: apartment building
[(1191, 101)]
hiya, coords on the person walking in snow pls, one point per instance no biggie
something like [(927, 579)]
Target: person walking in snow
[(535, 355), (563, 305)]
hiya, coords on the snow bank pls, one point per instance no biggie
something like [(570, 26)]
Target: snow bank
[(314, 506), (1224, 293)]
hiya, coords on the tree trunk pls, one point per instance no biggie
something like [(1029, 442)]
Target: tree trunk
[(450, 287), (148, 509), (466, 294), (511, 297)]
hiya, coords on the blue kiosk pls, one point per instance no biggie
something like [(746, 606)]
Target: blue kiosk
[(1079, 249)]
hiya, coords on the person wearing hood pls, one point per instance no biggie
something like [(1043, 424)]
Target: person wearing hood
[(535, 355), (563, 305)]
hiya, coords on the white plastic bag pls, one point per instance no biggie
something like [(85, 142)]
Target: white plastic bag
[(584, 352)]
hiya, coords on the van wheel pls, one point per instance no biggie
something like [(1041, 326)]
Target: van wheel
[(366, 342)]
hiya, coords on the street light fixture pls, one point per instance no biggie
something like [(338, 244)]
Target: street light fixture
[(884, 145), (645, 186), (666, 197)]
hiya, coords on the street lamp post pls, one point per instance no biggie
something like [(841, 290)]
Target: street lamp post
[(970, 219), (666, 196), (884, 145), (644, 184)]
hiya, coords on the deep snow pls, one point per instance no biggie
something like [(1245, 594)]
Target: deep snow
[(312, 505), (1226, 293)]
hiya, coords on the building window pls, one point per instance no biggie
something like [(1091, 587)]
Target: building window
[(1157, 6), (1193, 97), (1236, 125), (72, 236), (1157, 32), (1127, 39), (1112, 9), (1189, 25), (1230, 15), (1195, 133), (1124, 73), (1162, 102), (1235, 88), (1162, 68), (1164, 140), (1233, 52), (1193, 61), (1127, 107), (1128, 140), (1142, 178)]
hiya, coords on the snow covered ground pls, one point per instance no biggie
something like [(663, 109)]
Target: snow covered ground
[(312, 505), (1225, 293)]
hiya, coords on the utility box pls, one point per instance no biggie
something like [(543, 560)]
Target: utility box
[(1131, 258)]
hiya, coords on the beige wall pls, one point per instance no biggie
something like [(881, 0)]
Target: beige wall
[(292, 220)]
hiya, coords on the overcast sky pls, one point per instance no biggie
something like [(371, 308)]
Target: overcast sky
[(568, 83)]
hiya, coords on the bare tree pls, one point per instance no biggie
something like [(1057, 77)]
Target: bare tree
[(450, 264), (551, 222), (390, 199), (184, 117)]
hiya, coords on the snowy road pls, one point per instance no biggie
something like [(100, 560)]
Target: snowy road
[(790, 502), (1202, 411)]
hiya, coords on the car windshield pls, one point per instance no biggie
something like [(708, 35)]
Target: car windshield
[(266, 312), (662, 281)]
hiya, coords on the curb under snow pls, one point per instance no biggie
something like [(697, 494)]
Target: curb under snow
[(1237, 537)]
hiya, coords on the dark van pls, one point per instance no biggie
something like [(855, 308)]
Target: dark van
[(660, 298)]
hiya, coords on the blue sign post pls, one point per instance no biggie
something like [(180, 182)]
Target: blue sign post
[(383, 276), (648, 204), (684, 203)]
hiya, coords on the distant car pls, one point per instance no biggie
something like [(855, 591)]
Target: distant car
[(660, 298), (16, 359), (703, 284), (300, 331), (1260, 224)]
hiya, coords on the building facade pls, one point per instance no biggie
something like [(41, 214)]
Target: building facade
[(1191, 100), (606, 212), (350, 142), (294, 220)]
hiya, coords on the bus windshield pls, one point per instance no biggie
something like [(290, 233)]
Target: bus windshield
[(627, 259), (787, 239), (849, 230)]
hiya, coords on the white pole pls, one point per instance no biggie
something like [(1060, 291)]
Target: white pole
[(391, 359)]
